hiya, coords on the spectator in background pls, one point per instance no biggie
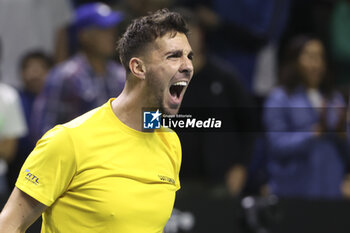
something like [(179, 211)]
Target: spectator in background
[(305, 123), (34, 67), (12, 127), (27, 25), (217, 160), (89, 78)]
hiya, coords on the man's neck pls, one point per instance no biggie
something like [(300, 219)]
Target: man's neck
[(97, 63), (128, 108)]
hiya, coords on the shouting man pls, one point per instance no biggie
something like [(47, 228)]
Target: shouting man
[(101, 172)]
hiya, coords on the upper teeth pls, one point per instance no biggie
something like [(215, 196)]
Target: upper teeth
[(181, 83)]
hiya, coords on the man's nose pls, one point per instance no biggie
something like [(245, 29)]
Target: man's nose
[(186, 66)]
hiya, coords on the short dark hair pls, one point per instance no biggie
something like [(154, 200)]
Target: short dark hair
[(145, 30), (37, 54)]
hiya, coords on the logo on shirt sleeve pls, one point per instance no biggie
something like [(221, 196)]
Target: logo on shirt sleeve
[(31, 177)]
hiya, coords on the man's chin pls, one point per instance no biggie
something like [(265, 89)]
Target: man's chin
[(172, 110)]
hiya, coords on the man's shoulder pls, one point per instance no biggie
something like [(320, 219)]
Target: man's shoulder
[(84, 119), (170, 136), (173, 144), (166, 131)]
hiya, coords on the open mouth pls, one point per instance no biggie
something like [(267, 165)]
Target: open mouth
[(177, 88)]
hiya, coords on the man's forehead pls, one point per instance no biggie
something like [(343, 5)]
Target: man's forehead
[(170, 41)]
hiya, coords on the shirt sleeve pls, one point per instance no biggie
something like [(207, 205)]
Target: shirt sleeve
[(49, 169)]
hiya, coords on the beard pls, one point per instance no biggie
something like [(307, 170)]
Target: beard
[(156, 90)]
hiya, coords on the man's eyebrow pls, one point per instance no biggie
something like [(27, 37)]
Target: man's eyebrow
[(178, 53), (174, 52)]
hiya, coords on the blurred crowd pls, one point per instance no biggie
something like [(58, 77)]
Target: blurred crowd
[(288, 61)]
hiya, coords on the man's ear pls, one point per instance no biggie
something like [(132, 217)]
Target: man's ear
[(137, 68)]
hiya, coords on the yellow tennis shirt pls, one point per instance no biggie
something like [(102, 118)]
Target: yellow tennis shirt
[(96, 174)]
